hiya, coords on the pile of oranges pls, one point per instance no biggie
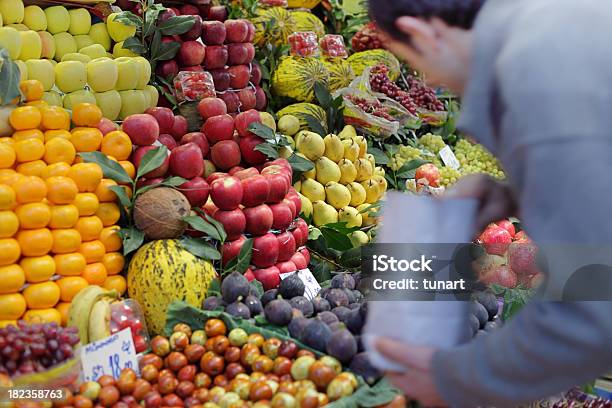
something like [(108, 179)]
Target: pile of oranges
[(58, 215)]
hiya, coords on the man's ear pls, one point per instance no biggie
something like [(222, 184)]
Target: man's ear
[(422, 33)]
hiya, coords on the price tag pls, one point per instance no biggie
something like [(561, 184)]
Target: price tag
[(448, 157), (310, 282), (109, 356)]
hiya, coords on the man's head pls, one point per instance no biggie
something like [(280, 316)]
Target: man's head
[(432, 35)]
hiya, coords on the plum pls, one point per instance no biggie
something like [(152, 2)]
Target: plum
[(212, 302), (328, 317), (341, 312), (297, 325), (343, 281), (320, 305), (342, 345), (354, 322), (291, 287), (238, 309), (234, 287), (278, 312), (316, 334), (303, 305), (254, 305), (337, 297), (268, 296)]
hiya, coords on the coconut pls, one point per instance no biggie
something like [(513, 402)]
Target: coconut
[(159, 213)]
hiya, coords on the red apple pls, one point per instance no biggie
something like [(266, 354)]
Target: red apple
[(164, 118), (187, 161), (167, 68), (240, 75), (246, 173), (225, 154), (193, 68), (269, 277), (233, 222), (299, 261), (231, 101), (286, 246), (179, 128), (209, 168), (496, 240), (235, 170), (306, 254), (199, 139), (284, 163), (196, 30), (191, 53), (295, 199), (226, 193), (508, 226), (216, 57), (167, 14), (286, 267), (218, 128), (137, 158), (221, 78), (142, 129), (265, 250), (244, 120), (255, 73), (240, 53), (167, 140), (282, 216), (261, 100), (189, 9), (249, 275), (299, 237), (251, 35), (106, 125), (196, 190), (247, 98), (213, 33), (256, 189), (237, 31), (209, 107), (301, 224), (215, 176), (279, 170), (249, 154), (218, 13), (278, 187), (231, 249), (289, 203), (259, 219)]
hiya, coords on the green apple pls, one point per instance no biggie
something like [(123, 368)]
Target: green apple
[(31, 46), (82, 96), (42, 70), (58, 19), (52, 98), (145, 72), (99, 35), (129, 73), (119, 51), (64, 44), (12, 11), (110, 103), (82, 41), (132, 101), (80, 21), (118, 30), (23, 70), (153, 95), (70, 76), (11, 40), (76, 56), (48, 45), (93, 51), (102, 74), (34, 17)]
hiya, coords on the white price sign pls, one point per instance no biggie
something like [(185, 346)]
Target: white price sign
[(312, 287), (448, 157), (109, 356)]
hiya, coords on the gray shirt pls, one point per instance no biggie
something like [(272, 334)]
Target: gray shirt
[(540, 97)]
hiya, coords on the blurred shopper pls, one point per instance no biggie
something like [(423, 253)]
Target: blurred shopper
[(536, 83)]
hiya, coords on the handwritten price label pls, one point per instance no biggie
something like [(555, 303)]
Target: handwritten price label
[(310, 282), (109, 356)]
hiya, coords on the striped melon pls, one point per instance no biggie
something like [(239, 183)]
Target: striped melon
[(300, 110), (306, 21), (309, 4), (340, 73), (295, 77), (369, 58), (161, 272), (273, 25)]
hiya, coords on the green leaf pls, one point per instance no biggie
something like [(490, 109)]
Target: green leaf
[(110, 168), (314, 233), (214, 289), (176, 25), (315, 125), (167, 51), (134, 45), (351, 258), (268, 149), (379, 156), (150, 19), (262, 131), (243, 260), (9, 78), (335, 239), (200, 248), (132, 237), (257, 287), (199, 224), (152, 160), (121, 195), (214, 223), (408, 170), (323, 95), (128, 18)]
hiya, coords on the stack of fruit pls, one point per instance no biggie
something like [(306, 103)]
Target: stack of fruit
[(58, 215)]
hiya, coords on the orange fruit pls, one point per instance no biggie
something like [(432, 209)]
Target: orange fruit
[(9, 251), (89, 228), (110, 238), (52, 134), (8, 176), (7, 140), (87, 176), (64, 216), (71, 264), (9, 224), (38, 268), (104, 193), (47, 315), (25, 117), (29, 150), (116, 282), (108, 213), (93, 251), (95, 273), (70, 286), (129, 168), (36, 242), (32, 168), (59, 150), (32, 89), (30, 189), (55, 169), (22, 135), (61, 190), (54, 118), (87, 203), (7, 156), (113, 262), (63, 307), (42, 295), (8, 198), (117, 144), (33, 215), (86, 114), (13, 278), (65, 241), (86, 139), (12, 306)]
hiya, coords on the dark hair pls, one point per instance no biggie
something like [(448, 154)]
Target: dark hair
[(457, 13)]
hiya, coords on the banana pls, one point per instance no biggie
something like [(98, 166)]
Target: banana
[(99, 319), (80, 308)]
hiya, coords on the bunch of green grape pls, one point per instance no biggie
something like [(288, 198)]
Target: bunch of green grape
[(431, 142), (448, 176), (474, 158), (404, 155)]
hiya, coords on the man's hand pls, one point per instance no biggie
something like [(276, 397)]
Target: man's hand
[(496, 199), (417, 382)]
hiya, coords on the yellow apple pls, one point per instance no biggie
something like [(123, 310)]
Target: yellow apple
[(145, 72), (93, 51), (48, 45), (117, 30), (102, 74), (76, 56), (82, 41), (12, 11), (11, 40), (99, 35), (23, 70), (64, 44), (58, 19), (110, 103), (70, 76), (74, 98), (34, 17), (80, 21), (129, 73), (53, 98), (119, 51), (132, 101), (18, 26), (42, 70), (153, 95), (31, 46)]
